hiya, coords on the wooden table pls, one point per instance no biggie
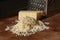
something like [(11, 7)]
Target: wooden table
[(52, 34)]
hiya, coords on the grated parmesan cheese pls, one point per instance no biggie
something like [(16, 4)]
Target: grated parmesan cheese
[(27, 26)]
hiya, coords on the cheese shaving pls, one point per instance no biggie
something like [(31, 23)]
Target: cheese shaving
[(27, 26)]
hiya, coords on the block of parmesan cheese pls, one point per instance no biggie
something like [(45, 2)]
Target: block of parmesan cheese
[(34, 14)]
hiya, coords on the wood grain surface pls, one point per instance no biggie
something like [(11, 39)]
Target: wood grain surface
[(51, 34)]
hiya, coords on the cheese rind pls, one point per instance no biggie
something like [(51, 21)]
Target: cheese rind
[(34, 14)]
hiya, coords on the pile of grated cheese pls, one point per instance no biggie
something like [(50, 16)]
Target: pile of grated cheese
[(27, 26)]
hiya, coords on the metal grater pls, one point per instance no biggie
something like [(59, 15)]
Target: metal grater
[(37, 5)]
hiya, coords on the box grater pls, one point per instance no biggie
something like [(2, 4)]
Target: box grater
[(38, 5)]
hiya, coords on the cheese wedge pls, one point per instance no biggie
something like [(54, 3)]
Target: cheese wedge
[(34, 14)]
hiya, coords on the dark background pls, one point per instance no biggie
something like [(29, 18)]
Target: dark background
[(11, 7)]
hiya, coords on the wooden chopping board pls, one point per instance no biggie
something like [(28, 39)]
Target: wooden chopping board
[(52, 34)]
